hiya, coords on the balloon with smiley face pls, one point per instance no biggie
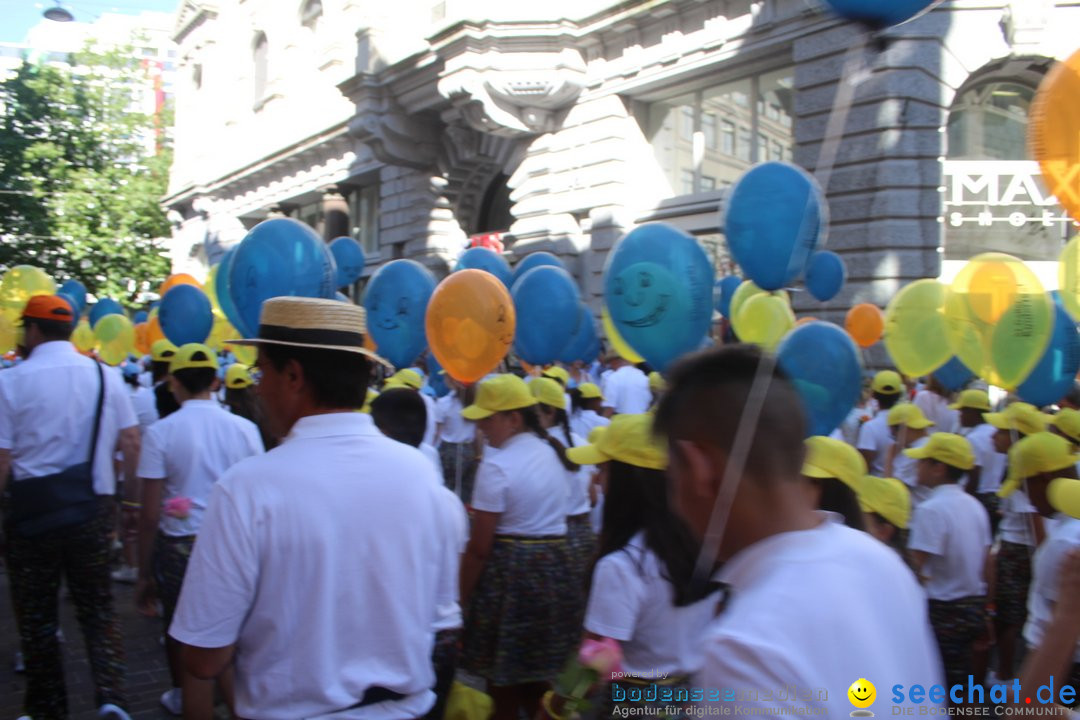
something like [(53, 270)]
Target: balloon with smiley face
[(395, 299), (349, 256), (535, 259), (658, 287), (470, 323), (546, 301)]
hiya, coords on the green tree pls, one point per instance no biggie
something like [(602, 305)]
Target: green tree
[(82, 168)]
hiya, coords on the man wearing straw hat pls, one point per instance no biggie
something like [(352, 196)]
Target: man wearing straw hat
[(807, 601), (320, 565)]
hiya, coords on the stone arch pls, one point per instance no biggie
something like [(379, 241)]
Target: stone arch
[(470, 162)]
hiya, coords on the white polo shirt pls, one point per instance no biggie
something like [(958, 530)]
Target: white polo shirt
[(47, 405), (190, 449), (937, 410), (631, 601), (990, 462), (324, 560), (952, 527), (145, 405), (1016, 519), (448, 615), (582, 422), (1063, 536), (874, 435), (809, 610), (453, 428), (525, 483), (577, 482), (432, 419), (627, 391), (906, 470)]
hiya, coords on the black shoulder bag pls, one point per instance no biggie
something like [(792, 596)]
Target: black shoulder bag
[(63, 499)]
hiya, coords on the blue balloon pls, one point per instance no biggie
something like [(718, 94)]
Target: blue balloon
[(774, 220), (879, 13), (536, 259), (396, 299), (77, 292), (480, 258), (547, 304), (823, 363), (342, 297), (141, 317), (185, 315), (953, 375), (436, 376), (223, 292), (103, 307), (71, 303), (279, 257), (349, 256), (658, 285), (727, 286), (825, 275), (583, 340), (1056, 372)]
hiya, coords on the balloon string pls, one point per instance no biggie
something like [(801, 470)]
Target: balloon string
[(854, 64), (733, 470)]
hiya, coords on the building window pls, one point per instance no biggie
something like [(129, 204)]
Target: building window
[(717, 132), (259, 56), (364, 216), (310, 14), (989, 122)]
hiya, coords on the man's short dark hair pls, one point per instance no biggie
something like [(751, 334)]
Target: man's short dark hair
[(196, 380), (706, 400), (338, 379), (50, 329), (400, 414)]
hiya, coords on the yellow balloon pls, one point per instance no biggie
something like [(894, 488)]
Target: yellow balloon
[(1069, 277), (116, 338), (18, 285), (210, 287), (83, 337), (915, 328), (8, 334), (998, 318), (620, 346), (245, 354), (1054, 132), (764, 320), (220, 332), (746, 290)]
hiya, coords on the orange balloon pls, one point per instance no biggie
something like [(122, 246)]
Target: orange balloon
[(803, 321), (370, 344), (470, 323), (153, 330), (1054, 132), (865, 323), (142, 335), (178, 279)]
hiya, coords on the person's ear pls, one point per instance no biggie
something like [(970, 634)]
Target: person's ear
[(695, 467), (293, 375)]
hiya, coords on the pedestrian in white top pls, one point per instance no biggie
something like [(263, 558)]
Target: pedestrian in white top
[(985, 478), (910, 429), (835, 471), (626, 390), (874, 436), (807, 605), (586, 403), (321, 564), (409, 378), (62, 505), (949, 546), (142, 398), (182, 457), (935, 405), (458, 450), (520, 603)]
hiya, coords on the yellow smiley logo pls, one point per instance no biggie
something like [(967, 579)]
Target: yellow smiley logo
[(862, 693)]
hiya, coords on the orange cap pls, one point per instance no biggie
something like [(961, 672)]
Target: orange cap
[(48, 307)]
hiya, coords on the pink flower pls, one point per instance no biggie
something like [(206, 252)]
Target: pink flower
[(603, 656), (177, 507)]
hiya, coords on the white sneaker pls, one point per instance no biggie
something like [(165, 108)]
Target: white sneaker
[(20, 665), (172, 700), (125, 574), (108, 711)]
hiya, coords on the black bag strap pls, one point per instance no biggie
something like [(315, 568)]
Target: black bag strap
[(97, 415)]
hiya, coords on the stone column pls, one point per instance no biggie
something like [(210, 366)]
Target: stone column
[(335, 214)]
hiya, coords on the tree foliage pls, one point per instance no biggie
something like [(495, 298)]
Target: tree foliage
[(82, 167)]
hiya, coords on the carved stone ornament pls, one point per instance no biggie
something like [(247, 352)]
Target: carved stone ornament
[(512, 93), (394, 136)]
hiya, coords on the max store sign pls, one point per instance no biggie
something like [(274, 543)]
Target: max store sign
[(987, 193)]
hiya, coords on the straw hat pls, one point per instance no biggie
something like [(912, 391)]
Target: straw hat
[(312, 323)]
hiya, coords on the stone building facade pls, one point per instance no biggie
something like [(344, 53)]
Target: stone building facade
[(416, 124)]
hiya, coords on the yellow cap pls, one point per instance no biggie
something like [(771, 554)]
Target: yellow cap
[(657, 382), (1019, 416), (589, 391), (499, 394), (238, 376), (1064, 496), (1067, 421), (557, 373), (953, 450), (596, 433), (1041, 452), (974, 399), (191, 356), (628, 439), (888, 382), (405, 378), (371, 395), (829, 458), (888, 497), (548, 392), (908, 414), (162, 351)]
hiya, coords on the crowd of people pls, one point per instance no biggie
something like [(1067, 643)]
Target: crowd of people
[(322, 537)]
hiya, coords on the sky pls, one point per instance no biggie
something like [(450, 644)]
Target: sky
[(18, 16)]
